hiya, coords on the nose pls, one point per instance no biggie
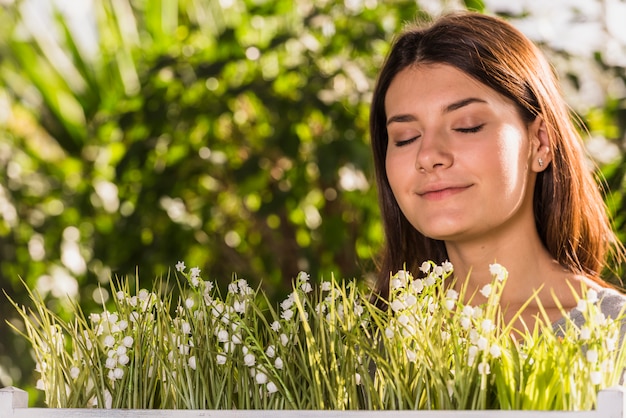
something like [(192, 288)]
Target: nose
[(433, 153)]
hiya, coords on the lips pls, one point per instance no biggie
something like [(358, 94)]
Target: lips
[(441, 191)]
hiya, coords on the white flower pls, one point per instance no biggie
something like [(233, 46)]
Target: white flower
[(232, 288), (486, 290), (450, 304), (482, 343), (430, 280), (278, 363), (183, 349), (118, 373), (306, 287), (465, 322), (473, 336), (271, 351), (611, 343), (452, 294), (108, 399), (487, 325), (357, 378), (180, 266), (109, 341), (189, 303), (497, 271), (120, 295), (220, 359), (417, 285), (284, 339), (110, 363), (592, 296), (450, 387), (397, 305), (239, 307), (358, 309), (113, 318), (122, 325), (596, 377), (395, 283), (592, 356), (471, 354), (495, 351), (123, 359), (410, 300), (143, 294), (287, 303), (236, 339), (192, 362), (483, 368), (447, 266), (40, 385), (585, 333), (261, 378), (222, 336), (389, 332), (74, 372), (271, 387), (275, 326), (127, 341), (403, 320), (438, 271), (185, 328), (249, 360), (325, 286), (411, 356), (194, 272), (287, 314), (582, 305), (425, 267)]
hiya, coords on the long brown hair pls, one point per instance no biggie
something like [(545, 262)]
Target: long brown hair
[(570, 214)]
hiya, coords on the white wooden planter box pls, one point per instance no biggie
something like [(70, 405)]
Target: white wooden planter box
[(14, 404)]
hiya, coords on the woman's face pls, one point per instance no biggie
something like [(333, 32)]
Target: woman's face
[(459, 155)]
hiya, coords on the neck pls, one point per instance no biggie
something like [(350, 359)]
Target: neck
[(531, 271)]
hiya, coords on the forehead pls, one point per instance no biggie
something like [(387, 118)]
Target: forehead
[(435, 84)]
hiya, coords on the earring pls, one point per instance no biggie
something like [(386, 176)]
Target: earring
[(540, 161)]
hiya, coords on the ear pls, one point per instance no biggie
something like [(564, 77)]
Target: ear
[(540, 152)]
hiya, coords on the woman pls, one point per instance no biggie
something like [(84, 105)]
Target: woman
[(478, 161)]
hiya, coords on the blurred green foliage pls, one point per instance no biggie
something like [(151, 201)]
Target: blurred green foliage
[(229, 134)]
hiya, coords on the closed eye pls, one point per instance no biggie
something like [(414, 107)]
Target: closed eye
[(406, 141), (471, 130)]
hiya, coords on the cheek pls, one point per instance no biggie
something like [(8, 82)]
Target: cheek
[(397, 169), (511, 158)]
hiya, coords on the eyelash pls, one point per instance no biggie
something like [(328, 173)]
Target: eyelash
[(406, 141), (471, 130)]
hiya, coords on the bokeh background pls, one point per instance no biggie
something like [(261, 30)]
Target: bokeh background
[(229, 134)]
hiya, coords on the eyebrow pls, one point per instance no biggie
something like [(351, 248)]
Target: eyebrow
[(447, 109)]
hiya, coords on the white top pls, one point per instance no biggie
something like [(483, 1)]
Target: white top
[(612, 303)]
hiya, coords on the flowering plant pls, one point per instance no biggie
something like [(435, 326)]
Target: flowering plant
[(326, 346)]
